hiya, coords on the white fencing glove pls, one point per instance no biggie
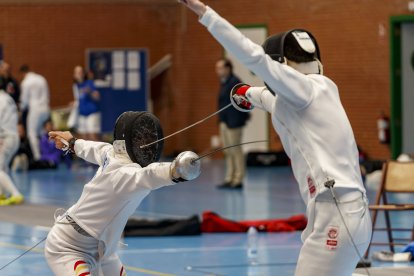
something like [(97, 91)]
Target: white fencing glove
[(184, 167)]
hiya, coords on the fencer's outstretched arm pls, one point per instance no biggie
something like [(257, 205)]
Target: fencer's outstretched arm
[(157, 175), (261, 98), (151, 177), (91, 151), (288, 83)]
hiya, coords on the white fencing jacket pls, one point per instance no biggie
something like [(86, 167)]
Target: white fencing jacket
[(35, 92), (116, 190), (306, 113), (8, 116)]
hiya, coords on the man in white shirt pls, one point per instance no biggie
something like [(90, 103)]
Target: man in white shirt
[(315, 133), (35, 97), (85, 238), (9, 143)]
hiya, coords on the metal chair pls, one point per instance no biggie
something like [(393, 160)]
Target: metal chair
[(398, 177)]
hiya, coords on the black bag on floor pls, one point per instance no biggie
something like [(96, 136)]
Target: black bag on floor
[(270, 158), (165, 227)]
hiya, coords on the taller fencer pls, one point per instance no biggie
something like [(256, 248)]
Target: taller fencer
[(9, 143), (315, 132), (84, 240)]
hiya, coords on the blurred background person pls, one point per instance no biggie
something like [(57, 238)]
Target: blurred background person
[(11, 85), (9, 143), (231, 126), (50, 155), (35, 97), (24, 157), (87, 99)]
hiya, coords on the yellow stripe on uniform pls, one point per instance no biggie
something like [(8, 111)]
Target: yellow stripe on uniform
[(81, 268), (147, 271)]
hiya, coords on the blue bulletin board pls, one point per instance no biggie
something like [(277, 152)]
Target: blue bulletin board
[(120, 75)]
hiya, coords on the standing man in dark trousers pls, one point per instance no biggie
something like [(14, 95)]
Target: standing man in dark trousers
[(231, 127)]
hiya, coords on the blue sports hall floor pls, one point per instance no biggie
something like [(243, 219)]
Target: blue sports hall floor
[(268, 193)]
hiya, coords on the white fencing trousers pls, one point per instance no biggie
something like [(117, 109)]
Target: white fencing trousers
[(70, 253), (35, 121), (8, 147), (328, 250)]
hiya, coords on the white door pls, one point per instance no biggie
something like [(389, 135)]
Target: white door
[(407, 62)]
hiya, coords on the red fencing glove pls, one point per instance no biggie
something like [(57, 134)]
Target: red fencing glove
[(238, 98)]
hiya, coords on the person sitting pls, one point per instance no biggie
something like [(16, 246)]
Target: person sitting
[(49, 154)]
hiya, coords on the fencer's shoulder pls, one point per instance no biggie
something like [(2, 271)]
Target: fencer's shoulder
[(322, 81), (127, 169)]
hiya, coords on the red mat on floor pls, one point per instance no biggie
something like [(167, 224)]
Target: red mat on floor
[(213, 223)]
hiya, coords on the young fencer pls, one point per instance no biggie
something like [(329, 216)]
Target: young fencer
[(315, 132), (84, 239), (9, 143)]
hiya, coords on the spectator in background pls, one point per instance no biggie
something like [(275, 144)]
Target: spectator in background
[(9, 143), (50, 155), (87, 97), (24, 156), (35, 97), (11, 85), (231, 127)]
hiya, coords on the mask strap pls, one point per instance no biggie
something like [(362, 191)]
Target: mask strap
[(320, 65)]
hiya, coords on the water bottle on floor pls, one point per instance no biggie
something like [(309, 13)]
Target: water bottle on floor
[(252, 240)]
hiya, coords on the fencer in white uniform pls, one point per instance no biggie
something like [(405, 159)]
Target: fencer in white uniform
[(35, 97), (315, 132), (9, 143), (84, 240)]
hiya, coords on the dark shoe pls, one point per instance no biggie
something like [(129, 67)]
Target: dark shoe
[(225, 185), (237, 186)]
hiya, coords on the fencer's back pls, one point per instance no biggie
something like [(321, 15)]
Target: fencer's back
[(319, 139), (36, 90)]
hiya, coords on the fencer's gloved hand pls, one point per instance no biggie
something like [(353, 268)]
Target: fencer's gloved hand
[(239, 99), (184, 167)]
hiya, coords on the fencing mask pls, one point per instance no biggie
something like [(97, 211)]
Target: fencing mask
[(137, 129), (297, 48), (296, 45)]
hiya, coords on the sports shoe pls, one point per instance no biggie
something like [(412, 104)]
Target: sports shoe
[(225, 185), (4, 202), (237, 186), (13, 200), (16, 199)]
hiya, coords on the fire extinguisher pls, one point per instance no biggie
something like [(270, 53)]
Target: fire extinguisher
[(383, 124)]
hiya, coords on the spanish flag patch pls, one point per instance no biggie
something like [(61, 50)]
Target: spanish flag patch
[(81, 268)]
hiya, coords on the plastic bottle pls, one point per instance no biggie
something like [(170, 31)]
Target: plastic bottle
[(252, 241)]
